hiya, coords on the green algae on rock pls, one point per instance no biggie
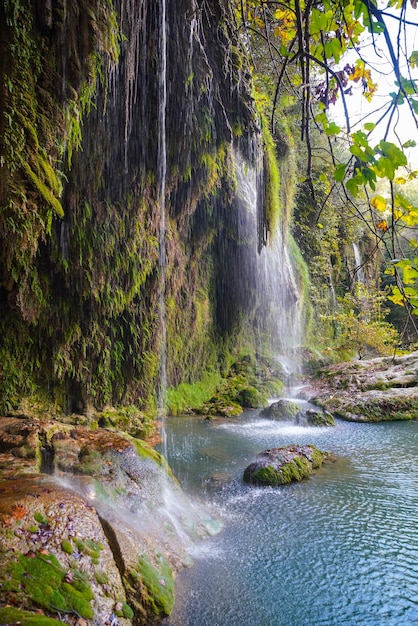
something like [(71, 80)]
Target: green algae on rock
[(281, 466)]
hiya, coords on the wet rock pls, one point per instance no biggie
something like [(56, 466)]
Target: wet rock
[(281, 466), (54, 551), (318, 417), (288, 411), (282, 410), (101, 533)]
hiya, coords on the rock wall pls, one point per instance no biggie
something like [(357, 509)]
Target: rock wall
[(80, 267)]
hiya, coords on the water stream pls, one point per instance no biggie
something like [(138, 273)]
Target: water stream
[(359, 265), (339, 548), (162, 176)]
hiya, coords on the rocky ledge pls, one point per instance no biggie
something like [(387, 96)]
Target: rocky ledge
[(88, 527), (281, 466), (375, 390)]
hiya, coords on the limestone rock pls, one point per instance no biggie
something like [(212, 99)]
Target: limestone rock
[(375, 390), (318, 417)]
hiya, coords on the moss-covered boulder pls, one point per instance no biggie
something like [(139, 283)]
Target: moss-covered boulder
[(247, 385), (281, 466), (318, 417), (282, 411), (89, 525), (53, 550)]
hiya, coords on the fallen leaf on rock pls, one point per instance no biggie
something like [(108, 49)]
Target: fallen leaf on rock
[(19, 511)]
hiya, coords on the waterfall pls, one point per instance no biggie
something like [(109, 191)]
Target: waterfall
[(358, 270), (162, 175), (278, 303)]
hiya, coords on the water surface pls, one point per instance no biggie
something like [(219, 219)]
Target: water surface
[(338, 549)]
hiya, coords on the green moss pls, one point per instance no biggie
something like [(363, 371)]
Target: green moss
[(189, 396), (316, 456), (283, 466), (81, 546), (267, 476), (125, 611), (250, 397), (282, 410), (101, 577), (128, 419), (159, 583), (44, 191), (67, 546), (273, 209), (41, 579), (380, 410), (9, 615), (39, 517)]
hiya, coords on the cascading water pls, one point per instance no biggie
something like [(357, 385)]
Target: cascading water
[(162, 175), (278, 305), (358, 269)]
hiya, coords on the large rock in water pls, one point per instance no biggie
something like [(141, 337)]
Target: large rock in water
[(280, 466), (287, 411), (282, 411), (375, 390), (92, 527)]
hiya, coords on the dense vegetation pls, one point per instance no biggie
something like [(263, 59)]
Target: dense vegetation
[(99, 156), (315, 63)]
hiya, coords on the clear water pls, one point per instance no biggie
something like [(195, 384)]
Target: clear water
[(338, 549)]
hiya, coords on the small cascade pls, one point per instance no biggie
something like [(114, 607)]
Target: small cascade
[(358, 273), (290, 367)]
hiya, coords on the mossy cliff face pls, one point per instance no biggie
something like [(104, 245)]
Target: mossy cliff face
[(117, 134)]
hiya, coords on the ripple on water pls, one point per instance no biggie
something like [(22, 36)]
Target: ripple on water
[(338, 549)]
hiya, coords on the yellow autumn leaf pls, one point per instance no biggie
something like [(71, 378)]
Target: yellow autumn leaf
[(397, 213), (400, 180), (411, 218), (383, 225), (379, 203)]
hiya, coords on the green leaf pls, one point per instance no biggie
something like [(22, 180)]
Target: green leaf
[(352, 186), (361, 139), (413, 59), (332, 129), (408, 86), (358, 152), (370, 126), (339, 173)]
